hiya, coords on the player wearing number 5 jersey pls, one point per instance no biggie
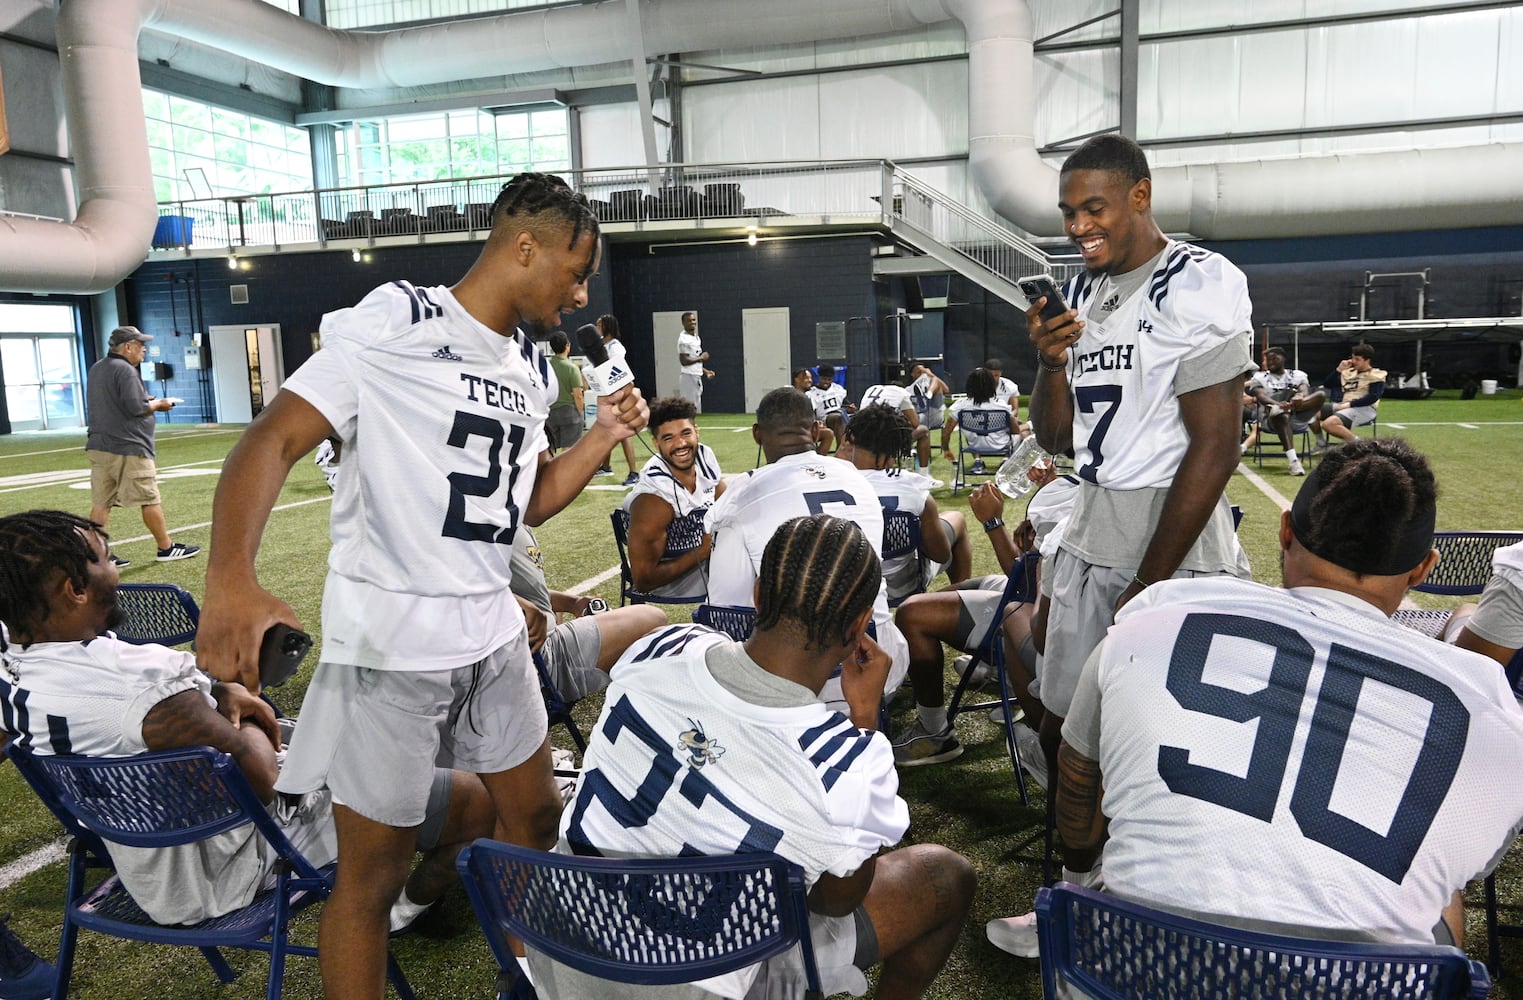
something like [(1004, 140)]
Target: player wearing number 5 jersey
[(1292, 759), (440, 401), (796, 482)]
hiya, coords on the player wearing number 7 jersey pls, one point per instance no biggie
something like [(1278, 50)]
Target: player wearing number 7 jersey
[(1142, 377), (1291, 759), (440, 400)]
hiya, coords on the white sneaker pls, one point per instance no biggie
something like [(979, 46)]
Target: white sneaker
[(1295, 467), (981, 673), (1017, 935), (1029, 745), (997, 714)]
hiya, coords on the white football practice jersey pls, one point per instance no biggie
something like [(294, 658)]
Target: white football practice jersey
[(1127, 431), (827, 399), (1294, 757), (656, 477), (898, 490), (896, 396)]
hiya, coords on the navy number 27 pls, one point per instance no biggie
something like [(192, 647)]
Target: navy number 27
[(1277, 708)]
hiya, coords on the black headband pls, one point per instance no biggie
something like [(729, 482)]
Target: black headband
[(1410, 545)]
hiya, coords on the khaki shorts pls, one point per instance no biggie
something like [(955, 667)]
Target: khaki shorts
[(122, 480)]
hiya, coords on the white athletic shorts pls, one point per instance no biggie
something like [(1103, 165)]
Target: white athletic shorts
[(372, 736)]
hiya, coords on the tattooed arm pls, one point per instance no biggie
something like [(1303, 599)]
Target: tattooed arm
[(1081, 824), (188, 720)]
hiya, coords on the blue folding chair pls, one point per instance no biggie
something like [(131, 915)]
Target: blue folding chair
[(160, 800), (1111, 949), (901, 539), (735, 621), (649, 921), (982, 423), (683, 535), (557, 708), (157, 612), (1463, 570)]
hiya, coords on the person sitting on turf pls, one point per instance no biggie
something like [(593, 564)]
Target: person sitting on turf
[(979, 395), (578, 653), (681, 479), (1494, 627), (877, 437), (727, 746), (1292, 760), (1287, 404), (69, 686), (830, 407)]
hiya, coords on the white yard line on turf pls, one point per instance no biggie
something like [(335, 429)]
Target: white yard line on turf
[(207, 524), (1264, 487), (43, 479), (593, 581), (23, 866), (173, 437), (1470, 427)]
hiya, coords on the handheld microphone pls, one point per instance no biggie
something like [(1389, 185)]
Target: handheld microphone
[(607, 376)]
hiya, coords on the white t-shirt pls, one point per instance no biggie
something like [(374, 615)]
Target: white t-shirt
[(1498, 616), (997, 441), (442, 421), (615, 348), (1127, 431), (1005, 390), (690, 346), (90, 698), (755, 504), (679, 765), (827, 399), (1293, 757), (896, 396)]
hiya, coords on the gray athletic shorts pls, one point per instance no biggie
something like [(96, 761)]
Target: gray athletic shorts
[(1082, 607), (1354, 416), (1299, 420), (372, 736), (975, 616), (571, 652), (690, 388)]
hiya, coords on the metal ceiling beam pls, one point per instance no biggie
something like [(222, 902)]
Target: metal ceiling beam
[(1131, 18)]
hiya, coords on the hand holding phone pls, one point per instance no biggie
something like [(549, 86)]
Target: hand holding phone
[(1041, 286), (281, 653)]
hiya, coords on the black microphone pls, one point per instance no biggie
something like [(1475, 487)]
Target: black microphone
[(607, 376)]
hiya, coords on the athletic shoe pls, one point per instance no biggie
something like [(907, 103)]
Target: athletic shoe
[(917, 745), (23, 976), (977, 469), (1295, 467), (606, 470), (997, 714), (405, 913), (119, 562), (936, 484), (981, 673), (631, 479), (1017, 935), (179, 550), (1029, 745)]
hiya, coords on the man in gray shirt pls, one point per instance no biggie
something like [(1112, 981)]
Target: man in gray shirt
[(120, 445)]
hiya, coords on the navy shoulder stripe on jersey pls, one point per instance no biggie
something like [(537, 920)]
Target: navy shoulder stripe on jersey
[(1079, 289), (58, 735), (1158, 290), (423, 307), (710, 469), (670, 641), (17, 719)]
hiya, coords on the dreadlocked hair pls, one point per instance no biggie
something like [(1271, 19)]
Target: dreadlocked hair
[(818, 574), (1371, 490), (980, 385), (882, 430), (35, 546), (545, 200)]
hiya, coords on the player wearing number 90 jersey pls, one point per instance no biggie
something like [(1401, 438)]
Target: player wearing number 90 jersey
[(444, 419)]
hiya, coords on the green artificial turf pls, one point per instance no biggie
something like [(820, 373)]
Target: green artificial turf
[(970, 804)]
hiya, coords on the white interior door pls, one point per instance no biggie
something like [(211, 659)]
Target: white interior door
[(764, 338), (248, 367), (666, 326)]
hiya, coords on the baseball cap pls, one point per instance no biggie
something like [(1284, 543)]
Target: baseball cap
[(127, 335)]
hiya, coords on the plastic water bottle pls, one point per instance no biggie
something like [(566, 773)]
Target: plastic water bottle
[(1013, 477)]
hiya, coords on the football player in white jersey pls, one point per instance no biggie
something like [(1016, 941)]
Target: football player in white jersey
[(978, 395), (1286, 403), (900, 398), (877, 437), (1494, 626), (1007, 392), (440, 399), (830, 405), (1142, 378), (679, 481), (608, 326), (1291, 759), (930, 395), (691, 356), (796, 482), (753, 761)]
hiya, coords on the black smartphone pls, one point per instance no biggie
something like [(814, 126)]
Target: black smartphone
[(1039, 286), (280, 653)]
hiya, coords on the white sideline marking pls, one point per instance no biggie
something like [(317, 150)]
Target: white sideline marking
[(1264, 487), (73, 477), (1470, 427), (739, 430), (593, 581), (207, 524), (1397, 427), (15, 871)]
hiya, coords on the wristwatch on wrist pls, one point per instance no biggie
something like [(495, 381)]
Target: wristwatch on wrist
[(994, 523)]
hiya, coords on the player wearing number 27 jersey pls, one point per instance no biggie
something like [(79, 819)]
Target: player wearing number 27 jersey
[(1293, 758)]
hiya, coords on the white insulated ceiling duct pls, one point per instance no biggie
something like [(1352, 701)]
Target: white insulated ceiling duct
[(1473, 186)]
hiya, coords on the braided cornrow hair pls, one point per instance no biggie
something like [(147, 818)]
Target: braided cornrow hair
[(546, 199), (817, 575), (34, 547), (882, 430), (1372, 489)]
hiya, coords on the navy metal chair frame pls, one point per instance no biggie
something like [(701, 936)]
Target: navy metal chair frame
[(1272, 438), (980, 422), (622, 919), (1463, 570), (557, 708), (157, 612), (901, 537), (162, 799), (1112, 949), (683, 535)]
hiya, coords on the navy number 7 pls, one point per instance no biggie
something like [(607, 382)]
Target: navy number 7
[(1088, 396)]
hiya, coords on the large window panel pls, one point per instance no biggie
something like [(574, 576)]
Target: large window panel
[(459, 144), (239, 154)]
